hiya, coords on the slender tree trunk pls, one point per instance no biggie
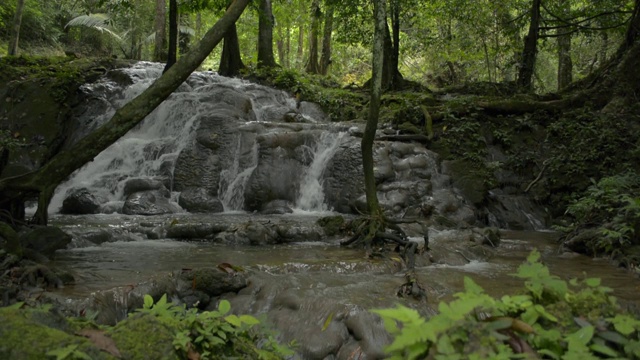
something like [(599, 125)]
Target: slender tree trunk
[(528, 58), (44, 181), (280, 47), (374, 109), (312, 64), (300, 51), (198, 25), (184, 39), (325, 59), (15, 33), (565, 65), (396, 77), (173, 34), (287, 49), (265, 35), (231, 61), (563, 41)]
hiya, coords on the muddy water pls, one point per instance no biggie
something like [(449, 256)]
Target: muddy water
[(312, 269)]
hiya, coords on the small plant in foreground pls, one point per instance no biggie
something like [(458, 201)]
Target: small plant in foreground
[(215, 334), (552, 319)]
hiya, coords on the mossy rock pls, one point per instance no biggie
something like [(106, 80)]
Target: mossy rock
[(408, 128), (471, 185), (29, 334), (332, 225), (144, 337)]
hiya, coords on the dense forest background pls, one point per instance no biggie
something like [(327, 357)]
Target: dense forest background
[(438, 42)]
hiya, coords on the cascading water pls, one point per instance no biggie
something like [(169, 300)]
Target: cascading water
[(311, 193), (234, 179), (232, 108)]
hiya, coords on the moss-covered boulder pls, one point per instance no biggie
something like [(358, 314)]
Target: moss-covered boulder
[(144, 337)]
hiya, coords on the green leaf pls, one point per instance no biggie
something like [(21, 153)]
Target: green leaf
[(224, 306), (327, 322), (592, 282), (233, 320), (604, 349), (148, 301), (249, 320)]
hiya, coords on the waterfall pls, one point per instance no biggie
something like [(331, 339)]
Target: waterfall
[(311, 193), (148, 150), (234, 180)]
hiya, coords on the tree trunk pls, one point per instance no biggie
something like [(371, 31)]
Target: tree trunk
[(528, 58), (325, 59), (173, 34), (230, 61), (183, 38), (300, 51), (312, 64), (374, 109), (280, 47), (287, 49), (44, 181), (565, 65), (15, 33), (265, 35), (198, 24), (396, 77)]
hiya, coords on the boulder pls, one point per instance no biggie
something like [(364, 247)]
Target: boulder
[(277, 207), (148, 203), (81, 201), (134, 185), (44, 240), (198, 200)]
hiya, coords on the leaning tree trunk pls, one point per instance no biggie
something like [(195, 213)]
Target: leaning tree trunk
[(325, 58), (173, 34), (528, 57), (265, 35), (44, 181), (15, 33), (312, 65)]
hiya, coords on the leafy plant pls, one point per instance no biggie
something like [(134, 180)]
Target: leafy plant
[(552, 318), (215, 334), (613, 207), (69, 352)]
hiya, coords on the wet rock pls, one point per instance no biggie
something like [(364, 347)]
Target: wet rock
[(44, 240), (277, 207), (214, 282), (81, 201), (195, 231), (581, 243), (134, 185), (148, 203), (198, 200), (312, 110), (369, 330), (332, 225)]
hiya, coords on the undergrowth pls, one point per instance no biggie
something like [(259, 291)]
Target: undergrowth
[(551, 319)]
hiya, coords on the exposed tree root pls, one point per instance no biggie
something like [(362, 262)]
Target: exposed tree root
[(376, 231)]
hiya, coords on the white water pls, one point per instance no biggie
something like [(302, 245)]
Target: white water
[(150, 150), (311, 193), (234, 180), (143, 152)]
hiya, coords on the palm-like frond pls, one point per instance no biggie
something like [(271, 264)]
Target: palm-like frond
[(98, 22)]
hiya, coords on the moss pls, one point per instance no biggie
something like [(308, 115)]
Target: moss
[(29, 334), (143, 337), (332, 225)]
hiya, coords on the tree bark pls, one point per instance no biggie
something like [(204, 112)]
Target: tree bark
[(300, 51), (312, 65), (44, 181), (528, 57), (231, 61), (265, 35), (565, 65), (15, 33), (374, 110), (325, 58), (172, 56)]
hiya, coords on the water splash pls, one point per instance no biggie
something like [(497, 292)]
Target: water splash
[(311, 193), (233, 181)]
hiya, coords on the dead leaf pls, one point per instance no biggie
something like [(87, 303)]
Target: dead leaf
[(192, 354), (101, 341)]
